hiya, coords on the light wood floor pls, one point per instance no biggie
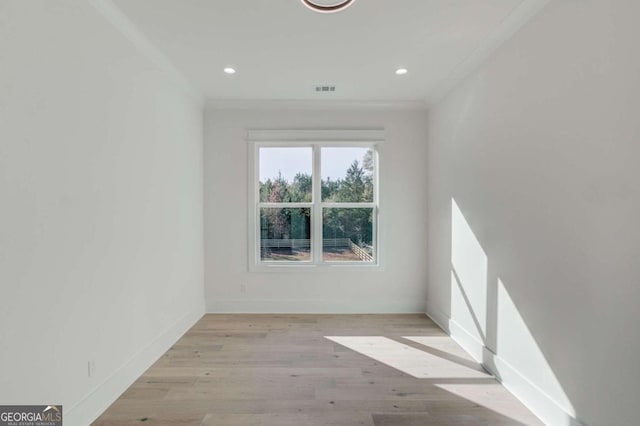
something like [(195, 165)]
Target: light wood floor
[(298, 370)]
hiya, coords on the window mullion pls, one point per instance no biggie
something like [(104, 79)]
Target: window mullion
[(317, 205), (285, 205), (349, 205)]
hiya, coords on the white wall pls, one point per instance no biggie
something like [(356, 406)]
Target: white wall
[(397, 288), (539, 151), (101, 208)]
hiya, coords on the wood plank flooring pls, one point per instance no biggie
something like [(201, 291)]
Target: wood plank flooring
[(308, 370)]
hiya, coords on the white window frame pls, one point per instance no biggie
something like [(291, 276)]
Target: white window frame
[(316, 139)]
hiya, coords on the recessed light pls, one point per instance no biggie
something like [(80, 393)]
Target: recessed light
[(229, 70), (401, 71)]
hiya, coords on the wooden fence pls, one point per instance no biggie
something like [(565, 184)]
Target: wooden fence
[(364, 253), (286, 243), (336, 242), (360, 252)]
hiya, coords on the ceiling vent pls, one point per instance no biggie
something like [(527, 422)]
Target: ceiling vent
[(325, 88)]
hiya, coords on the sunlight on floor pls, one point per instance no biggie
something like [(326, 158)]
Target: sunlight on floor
[(447, 348), (417, 363), (491, 396)]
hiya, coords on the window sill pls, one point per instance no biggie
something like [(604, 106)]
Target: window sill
[(310, 267)]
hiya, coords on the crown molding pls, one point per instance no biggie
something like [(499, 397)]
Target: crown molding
[(510, 25), (128, 29), (315, 104), (316, 135)]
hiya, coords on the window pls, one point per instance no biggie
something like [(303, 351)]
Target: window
[(313, 204)]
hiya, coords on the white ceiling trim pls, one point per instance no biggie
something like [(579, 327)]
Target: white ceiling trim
[(312, 104), (507, 28), (316, 135), (123, 25)]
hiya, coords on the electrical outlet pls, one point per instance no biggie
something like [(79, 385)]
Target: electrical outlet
[(243, 288), (91, 368)]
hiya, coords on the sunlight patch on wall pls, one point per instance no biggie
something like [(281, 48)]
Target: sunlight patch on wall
[(409, 360), (516, 344), (468, 277)]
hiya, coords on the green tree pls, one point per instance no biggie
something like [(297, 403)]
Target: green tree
[(367, 162), (330, 188), (357, 186), (352, 188), (276, 221), (300, 189), (265, 190), (367, 165)]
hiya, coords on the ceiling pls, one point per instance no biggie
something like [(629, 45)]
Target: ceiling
[(282, 50)]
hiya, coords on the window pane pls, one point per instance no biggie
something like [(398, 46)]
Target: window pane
[(347, 175), (285, 234), (347, 235), (285, 175)]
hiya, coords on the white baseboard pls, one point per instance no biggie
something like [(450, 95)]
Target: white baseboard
[(314, 306), (437, 316), (549, 411), (459, 334), (468, 341), (542, 405), (99, 399)]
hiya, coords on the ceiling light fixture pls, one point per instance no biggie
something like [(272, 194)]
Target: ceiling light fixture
[(327, 6), (401, 71), (229, 70)]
